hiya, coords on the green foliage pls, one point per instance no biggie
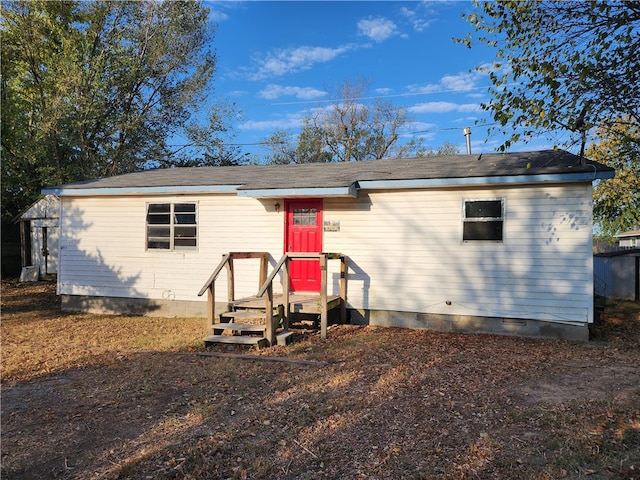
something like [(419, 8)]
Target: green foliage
[(93, 89), (560, 65), (616, 202), (447, 148)]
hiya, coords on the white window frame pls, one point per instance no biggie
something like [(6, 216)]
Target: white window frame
[(468, 220), (174, 227)]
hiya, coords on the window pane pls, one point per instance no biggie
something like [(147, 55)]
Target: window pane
[(152, 243), (160, 208), (185, 207), (185, 218), (184, 242), (482, 230), (158, 232), (483, 209), (159, 219), (304, 216), (184, 232)]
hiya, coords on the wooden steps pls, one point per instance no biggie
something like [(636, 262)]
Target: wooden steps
[(243, 315), (283, 338), (246, 325), (259, 342), (218, 328)]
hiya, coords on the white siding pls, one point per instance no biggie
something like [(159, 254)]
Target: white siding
[(103, 247), (405, 250), (406, 253)]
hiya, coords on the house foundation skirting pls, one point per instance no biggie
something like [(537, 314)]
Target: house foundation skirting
[(471, 324), (136, 306), (384, 318)]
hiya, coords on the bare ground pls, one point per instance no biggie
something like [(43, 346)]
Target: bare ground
[(98, 397)]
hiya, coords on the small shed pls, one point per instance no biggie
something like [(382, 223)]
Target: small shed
[(39, 233), (630, 239), (617, 274)]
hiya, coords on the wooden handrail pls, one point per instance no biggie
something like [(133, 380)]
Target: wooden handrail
[(227, 261), (216, 272), (267, 287), (271, 276)]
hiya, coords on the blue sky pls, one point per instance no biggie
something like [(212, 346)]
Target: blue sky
[(279, 60)]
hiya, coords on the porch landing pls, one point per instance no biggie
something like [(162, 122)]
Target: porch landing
[(298, 302)]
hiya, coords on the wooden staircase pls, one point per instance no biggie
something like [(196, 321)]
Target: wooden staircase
[(247, 325), (260, 320)]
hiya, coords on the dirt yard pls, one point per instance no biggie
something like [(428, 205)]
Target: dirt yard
[(106, 397)]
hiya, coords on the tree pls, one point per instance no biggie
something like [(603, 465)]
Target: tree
[(560, 65), (616, 202), (447, 148), (93, 89), (345, 131)]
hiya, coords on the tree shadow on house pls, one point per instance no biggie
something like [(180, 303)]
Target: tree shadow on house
[(87, 281)]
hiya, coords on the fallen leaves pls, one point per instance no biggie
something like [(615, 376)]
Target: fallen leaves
[(381, 403)]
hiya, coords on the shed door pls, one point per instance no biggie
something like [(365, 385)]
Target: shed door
[(44, 247), (303, 233)]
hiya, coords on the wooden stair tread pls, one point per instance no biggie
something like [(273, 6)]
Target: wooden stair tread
[(236, 339), (243, 314), (244, 327)]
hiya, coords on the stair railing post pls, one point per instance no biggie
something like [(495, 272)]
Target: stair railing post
[(211, 304), (343, 289), (285, 295), (263, 270), (270, 333), (324, 311), (231, 292)]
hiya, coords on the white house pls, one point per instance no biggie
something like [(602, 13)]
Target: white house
[(496, 243), (39, 238)]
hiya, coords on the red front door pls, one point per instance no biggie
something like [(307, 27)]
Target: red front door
[(303, 233)]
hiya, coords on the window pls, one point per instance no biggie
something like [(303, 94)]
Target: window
[(483, 220), (171, 226), (304, 216)]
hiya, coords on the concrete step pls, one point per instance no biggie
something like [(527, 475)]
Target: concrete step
[(284, 338)]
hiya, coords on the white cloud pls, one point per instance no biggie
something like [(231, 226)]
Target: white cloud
[(282, 61), (377, 29), (444, 107), (459, 83), (417, 20), (463, 82), (217, 16), (291, 121), (273, 91), (383, 91)]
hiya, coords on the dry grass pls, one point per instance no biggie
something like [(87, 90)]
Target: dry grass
[(105, 397)]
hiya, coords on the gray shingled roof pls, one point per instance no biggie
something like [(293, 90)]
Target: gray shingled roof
[(328, 175)]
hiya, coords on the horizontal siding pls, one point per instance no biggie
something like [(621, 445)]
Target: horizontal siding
[(407, 254), (404, 248), (103, 247)]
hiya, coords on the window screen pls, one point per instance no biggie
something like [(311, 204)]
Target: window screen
[(483, 220), (171, 226)]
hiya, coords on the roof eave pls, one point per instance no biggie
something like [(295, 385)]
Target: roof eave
[(133, 191), (316, 192), (497, 180)]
